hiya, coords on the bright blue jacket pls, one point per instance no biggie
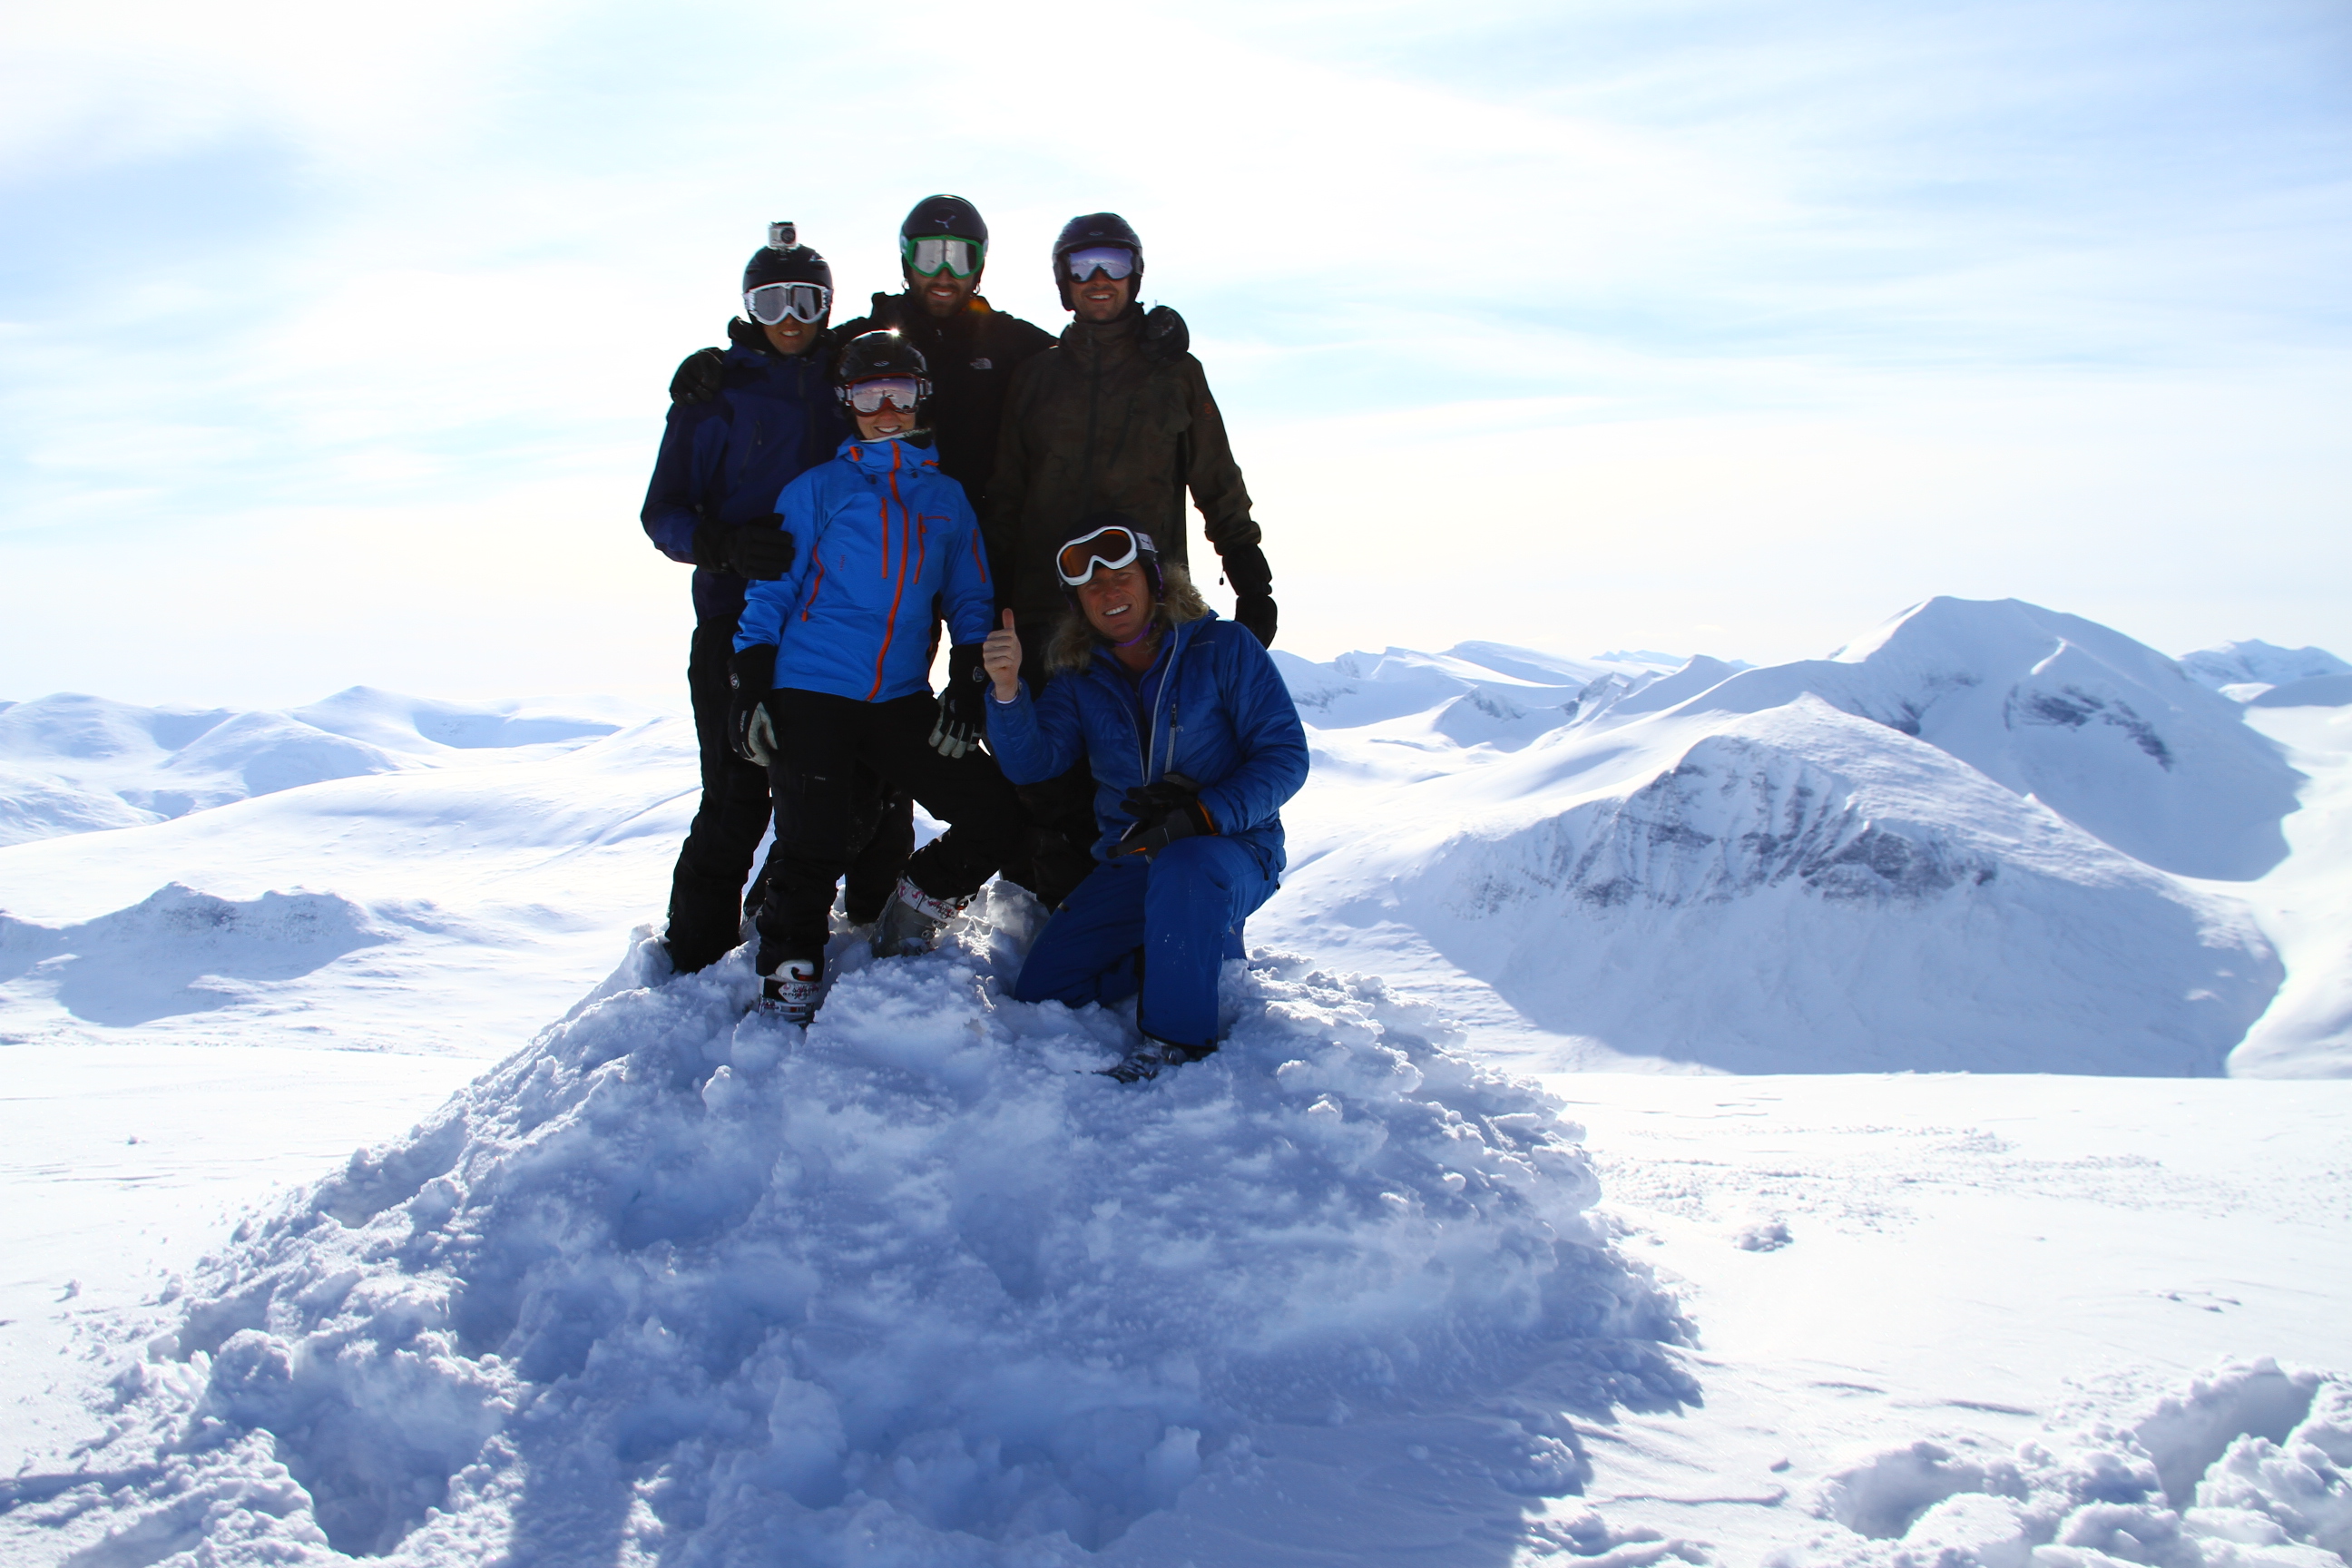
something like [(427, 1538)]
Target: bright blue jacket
[(887, 543), (775, 419), (1220, 716)]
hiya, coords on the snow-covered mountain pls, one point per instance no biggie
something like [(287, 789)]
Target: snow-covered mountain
[(71, 763), (1963, 840)]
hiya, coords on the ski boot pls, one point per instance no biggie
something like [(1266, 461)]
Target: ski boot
[(911, 919), (788, 996), (1152, 1058)]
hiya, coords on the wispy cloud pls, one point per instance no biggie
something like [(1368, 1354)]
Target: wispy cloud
[(1770, 289)]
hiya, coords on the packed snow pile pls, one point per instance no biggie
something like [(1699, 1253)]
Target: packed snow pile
[(1958, 844), (924, 1288), (2249, 1466), (71, 763)]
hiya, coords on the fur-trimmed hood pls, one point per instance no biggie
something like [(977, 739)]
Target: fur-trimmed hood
[(1074, 642)]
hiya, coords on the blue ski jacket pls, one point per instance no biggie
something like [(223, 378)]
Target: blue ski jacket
[(1219, 714), (774, 419), (887, 544)]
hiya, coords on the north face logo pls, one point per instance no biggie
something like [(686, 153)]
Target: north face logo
[(983, 364)]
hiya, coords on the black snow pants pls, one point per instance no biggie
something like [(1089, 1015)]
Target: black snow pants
[(824, 744), (707, 901)]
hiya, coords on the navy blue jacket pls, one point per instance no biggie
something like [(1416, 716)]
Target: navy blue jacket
[(1223, 718), (887, 544), (730, 457)]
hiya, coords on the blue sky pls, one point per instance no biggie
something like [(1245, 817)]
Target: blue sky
[(332, 345)]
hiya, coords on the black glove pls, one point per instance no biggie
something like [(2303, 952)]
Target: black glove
[(699, 376), (964, 716), (1252, 581), (761, 551), (1256, 611), (750, 675), (1163, 813)]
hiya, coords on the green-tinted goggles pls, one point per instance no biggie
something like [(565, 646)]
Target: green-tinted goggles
[(928, 256)]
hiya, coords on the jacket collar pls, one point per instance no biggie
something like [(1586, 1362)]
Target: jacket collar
[(1113, 339), (894, 456), (1180, 636)]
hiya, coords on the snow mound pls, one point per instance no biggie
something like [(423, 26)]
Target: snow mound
[(179, 951), (2256, 663), (2248, 1467), (2102, 729), (922, 1288)]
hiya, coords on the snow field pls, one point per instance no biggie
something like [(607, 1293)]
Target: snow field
[(922, 1288)]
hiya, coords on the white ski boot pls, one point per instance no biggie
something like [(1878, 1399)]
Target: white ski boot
[(789, 995), (911, 919)]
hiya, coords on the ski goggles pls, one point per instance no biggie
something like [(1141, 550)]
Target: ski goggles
[(926, 257), (1110, 548), (1113, 261), (902, 391), (771, 303)]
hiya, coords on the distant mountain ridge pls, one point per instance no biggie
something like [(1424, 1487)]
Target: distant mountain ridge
[(76, 764)]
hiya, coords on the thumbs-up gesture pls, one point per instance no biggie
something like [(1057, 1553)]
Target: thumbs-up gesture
[(999, 655)]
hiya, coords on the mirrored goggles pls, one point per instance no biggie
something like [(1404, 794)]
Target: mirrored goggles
[(1112, 548), (927, 256), (1114, 262), (903, 391), (771, 303)]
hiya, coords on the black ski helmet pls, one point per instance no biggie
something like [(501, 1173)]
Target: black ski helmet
[(784, 259), (1095, 228), (948, 217), (872, 354)]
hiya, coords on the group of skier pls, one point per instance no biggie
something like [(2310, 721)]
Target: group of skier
[(846, 493)]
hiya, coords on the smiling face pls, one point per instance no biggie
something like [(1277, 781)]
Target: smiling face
[(1102, 296), (942, 293), (1116, 601), (792, 336), (886, 424)]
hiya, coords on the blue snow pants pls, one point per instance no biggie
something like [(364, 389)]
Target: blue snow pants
[(1162, 926)]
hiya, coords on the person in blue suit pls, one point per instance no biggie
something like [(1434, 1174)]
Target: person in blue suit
[(1193, 743), (745, 421), (832, 671)]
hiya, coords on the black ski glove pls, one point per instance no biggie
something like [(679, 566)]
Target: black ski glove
[(1163, 813), (1253, 580), (750, 675), (1165, 336), (962, 717), (699, 376), (760, 551)]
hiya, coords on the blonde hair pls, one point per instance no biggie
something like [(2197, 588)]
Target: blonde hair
[(1074, 642)]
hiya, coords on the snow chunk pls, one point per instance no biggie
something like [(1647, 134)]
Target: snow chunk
[(2242, 1468), (922, 1286)]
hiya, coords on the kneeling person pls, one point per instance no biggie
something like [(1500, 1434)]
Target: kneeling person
[(831, 672), (1194, 743)]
